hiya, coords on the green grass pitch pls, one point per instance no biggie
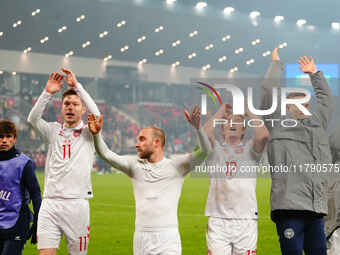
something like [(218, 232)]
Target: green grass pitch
[(113, 216)]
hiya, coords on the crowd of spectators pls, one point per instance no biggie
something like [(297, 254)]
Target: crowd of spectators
[(121, 123)]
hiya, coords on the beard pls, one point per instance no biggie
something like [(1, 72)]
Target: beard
[(145, 154)]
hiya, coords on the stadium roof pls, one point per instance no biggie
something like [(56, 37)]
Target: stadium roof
[(160, 33)]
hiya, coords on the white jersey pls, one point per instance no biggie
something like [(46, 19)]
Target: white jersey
[(334, 243), (71, 153), (157, 186), (230, 196)]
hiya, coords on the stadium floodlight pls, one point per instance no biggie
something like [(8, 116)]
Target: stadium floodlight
[(266, 53), (108, 58), (222, 59), (80, 18), (194, 33), (250, 61), (143, 61), (254, 14), (278, 19), (210, 46), (206, 67), (18, 23), (170, 2), (158, 29), (226, 38), (37, 11), (301, 22), (120, 24), (201, 5), (336, 25), (43, 40), (140, 39), (176, 43), (103, 34), (177, 63), (235, 69), (228, 10), (192, 55), (27, 50), (86, 44), (70, 53)]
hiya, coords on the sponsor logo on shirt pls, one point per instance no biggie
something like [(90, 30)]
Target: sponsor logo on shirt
[(77, 133)]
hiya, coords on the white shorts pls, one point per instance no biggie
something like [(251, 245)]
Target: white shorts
[(231, 236), (334, 243), (70, 217), (167, 242)]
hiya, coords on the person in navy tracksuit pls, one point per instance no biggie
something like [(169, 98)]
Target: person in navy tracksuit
[(18, 185)]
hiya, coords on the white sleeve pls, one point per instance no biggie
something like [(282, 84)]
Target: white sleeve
[(35, 116), (89, 102), (188, 162), (121, 163)]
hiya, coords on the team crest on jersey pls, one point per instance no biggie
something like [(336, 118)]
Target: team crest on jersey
[(77, 133), (289, 233), (61, 133)]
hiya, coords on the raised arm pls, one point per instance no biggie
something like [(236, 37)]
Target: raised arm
[(53, 85), (323, 94), (72, 81), (121, 163), (209, 128), (186, 163), (261, 132), (271, 80)]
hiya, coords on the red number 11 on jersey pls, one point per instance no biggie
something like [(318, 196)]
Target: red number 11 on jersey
[(67, 151)]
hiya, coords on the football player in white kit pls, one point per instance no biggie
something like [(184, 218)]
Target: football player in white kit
[(65, 207), (231, 204), (157, 184)]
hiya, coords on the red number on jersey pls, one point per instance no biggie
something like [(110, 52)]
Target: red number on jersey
[(81, 243), (251, 252), (230, 167), (67, 151)]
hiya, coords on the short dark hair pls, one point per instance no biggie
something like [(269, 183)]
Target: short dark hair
[(70, 92), (8, 127)]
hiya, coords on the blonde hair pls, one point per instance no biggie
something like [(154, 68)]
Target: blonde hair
[(158, 133)]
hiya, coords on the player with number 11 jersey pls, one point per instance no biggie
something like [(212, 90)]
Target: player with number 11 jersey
[(71, 154)]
